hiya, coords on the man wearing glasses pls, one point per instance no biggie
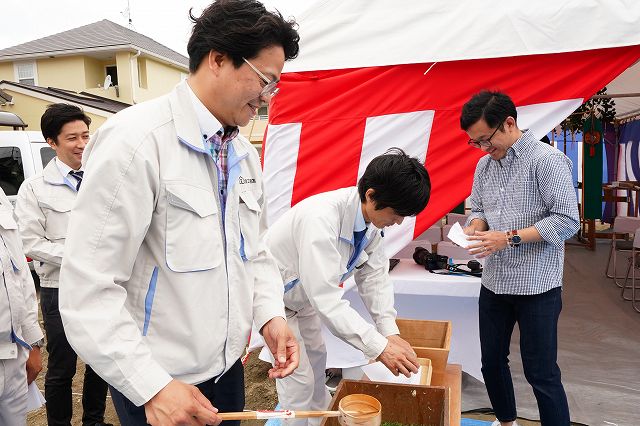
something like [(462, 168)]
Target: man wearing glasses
[(164, 271), (523, 208)]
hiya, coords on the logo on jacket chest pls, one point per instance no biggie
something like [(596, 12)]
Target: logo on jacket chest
[(242, 180)]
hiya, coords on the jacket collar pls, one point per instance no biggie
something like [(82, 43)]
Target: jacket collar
[(349, 219), (184, 118), (187, 126), (239, 149), (209, 125), (52, 175)]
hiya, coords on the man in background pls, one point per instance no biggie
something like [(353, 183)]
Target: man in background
[(523, 208), (43, 207), (320, 243), (20, 333)]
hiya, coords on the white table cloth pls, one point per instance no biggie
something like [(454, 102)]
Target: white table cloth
[(420, 294)]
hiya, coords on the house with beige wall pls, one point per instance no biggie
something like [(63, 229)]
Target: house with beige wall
[(99, 64), (102, 61)]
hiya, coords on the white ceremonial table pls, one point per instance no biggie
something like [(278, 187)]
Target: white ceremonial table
[(420, 294)]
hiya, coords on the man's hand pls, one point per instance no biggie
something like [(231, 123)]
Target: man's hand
[(283, 346), (469, 230), (180, 404), (487, 242), (399, 356), (34, 364), (476, 225)]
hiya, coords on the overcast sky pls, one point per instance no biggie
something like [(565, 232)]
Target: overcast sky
[(166, 22)]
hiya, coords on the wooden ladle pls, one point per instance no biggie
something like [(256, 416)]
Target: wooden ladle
[(354, 408), (283, 414)]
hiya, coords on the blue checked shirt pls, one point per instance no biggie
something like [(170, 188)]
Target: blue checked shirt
[(530, 186)]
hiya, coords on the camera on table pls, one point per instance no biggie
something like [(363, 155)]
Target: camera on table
[(430, 261), (433, 262), (475, 267)]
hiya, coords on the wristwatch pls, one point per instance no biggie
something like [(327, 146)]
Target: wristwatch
[(514, 239), (39, 343)]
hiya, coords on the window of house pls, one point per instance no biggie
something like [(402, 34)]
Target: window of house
[(112, 70), (263, 113), (46, 154), (26, 73), (11, 170)]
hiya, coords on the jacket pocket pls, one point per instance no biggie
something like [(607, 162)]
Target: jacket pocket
[(12, 239), (6, 220), (193, 238), (56, 212), (249, 217)]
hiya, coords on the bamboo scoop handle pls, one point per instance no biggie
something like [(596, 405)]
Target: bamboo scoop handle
[(284, 414)]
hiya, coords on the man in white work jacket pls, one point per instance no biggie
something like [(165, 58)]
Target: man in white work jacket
[(164, 270), (322, 241), (43, 208), (20, 333)]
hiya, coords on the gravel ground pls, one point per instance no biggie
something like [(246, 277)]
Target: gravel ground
[(260, 393)]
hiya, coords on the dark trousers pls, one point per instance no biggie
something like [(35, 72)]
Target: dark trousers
[(61, 367), (226, 395), (537, 318)]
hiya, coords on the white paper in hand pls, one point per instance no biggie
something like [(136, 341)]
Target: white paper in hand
[(35, 399), (457, 235), (377, 372)]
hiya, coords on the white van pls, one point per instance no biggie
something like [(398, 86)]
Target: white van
[(22, 155)]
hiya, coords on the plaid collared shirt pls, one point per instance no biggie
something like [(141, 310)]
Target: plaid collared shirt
[(530, 186), (219, 149)]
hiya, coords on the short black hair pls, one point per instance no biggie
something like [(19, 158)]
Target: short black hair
[(57, 115), (398, 181), (493, 107), (239, 29)]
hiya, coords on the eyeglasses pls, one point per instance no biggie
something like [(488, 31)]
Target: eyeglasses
[(269, 89), (484, 143)]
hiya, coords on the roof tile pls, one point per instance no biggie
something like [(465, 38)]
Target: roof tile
[(100, 34)]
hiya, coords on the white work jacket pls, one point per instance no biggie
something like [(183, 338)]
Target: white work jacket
[(152, 286), (18, 305), (312, 244), (43, 207)]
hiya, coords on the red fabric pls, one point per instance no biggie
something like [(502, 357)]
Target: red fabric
[(334, 105)]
